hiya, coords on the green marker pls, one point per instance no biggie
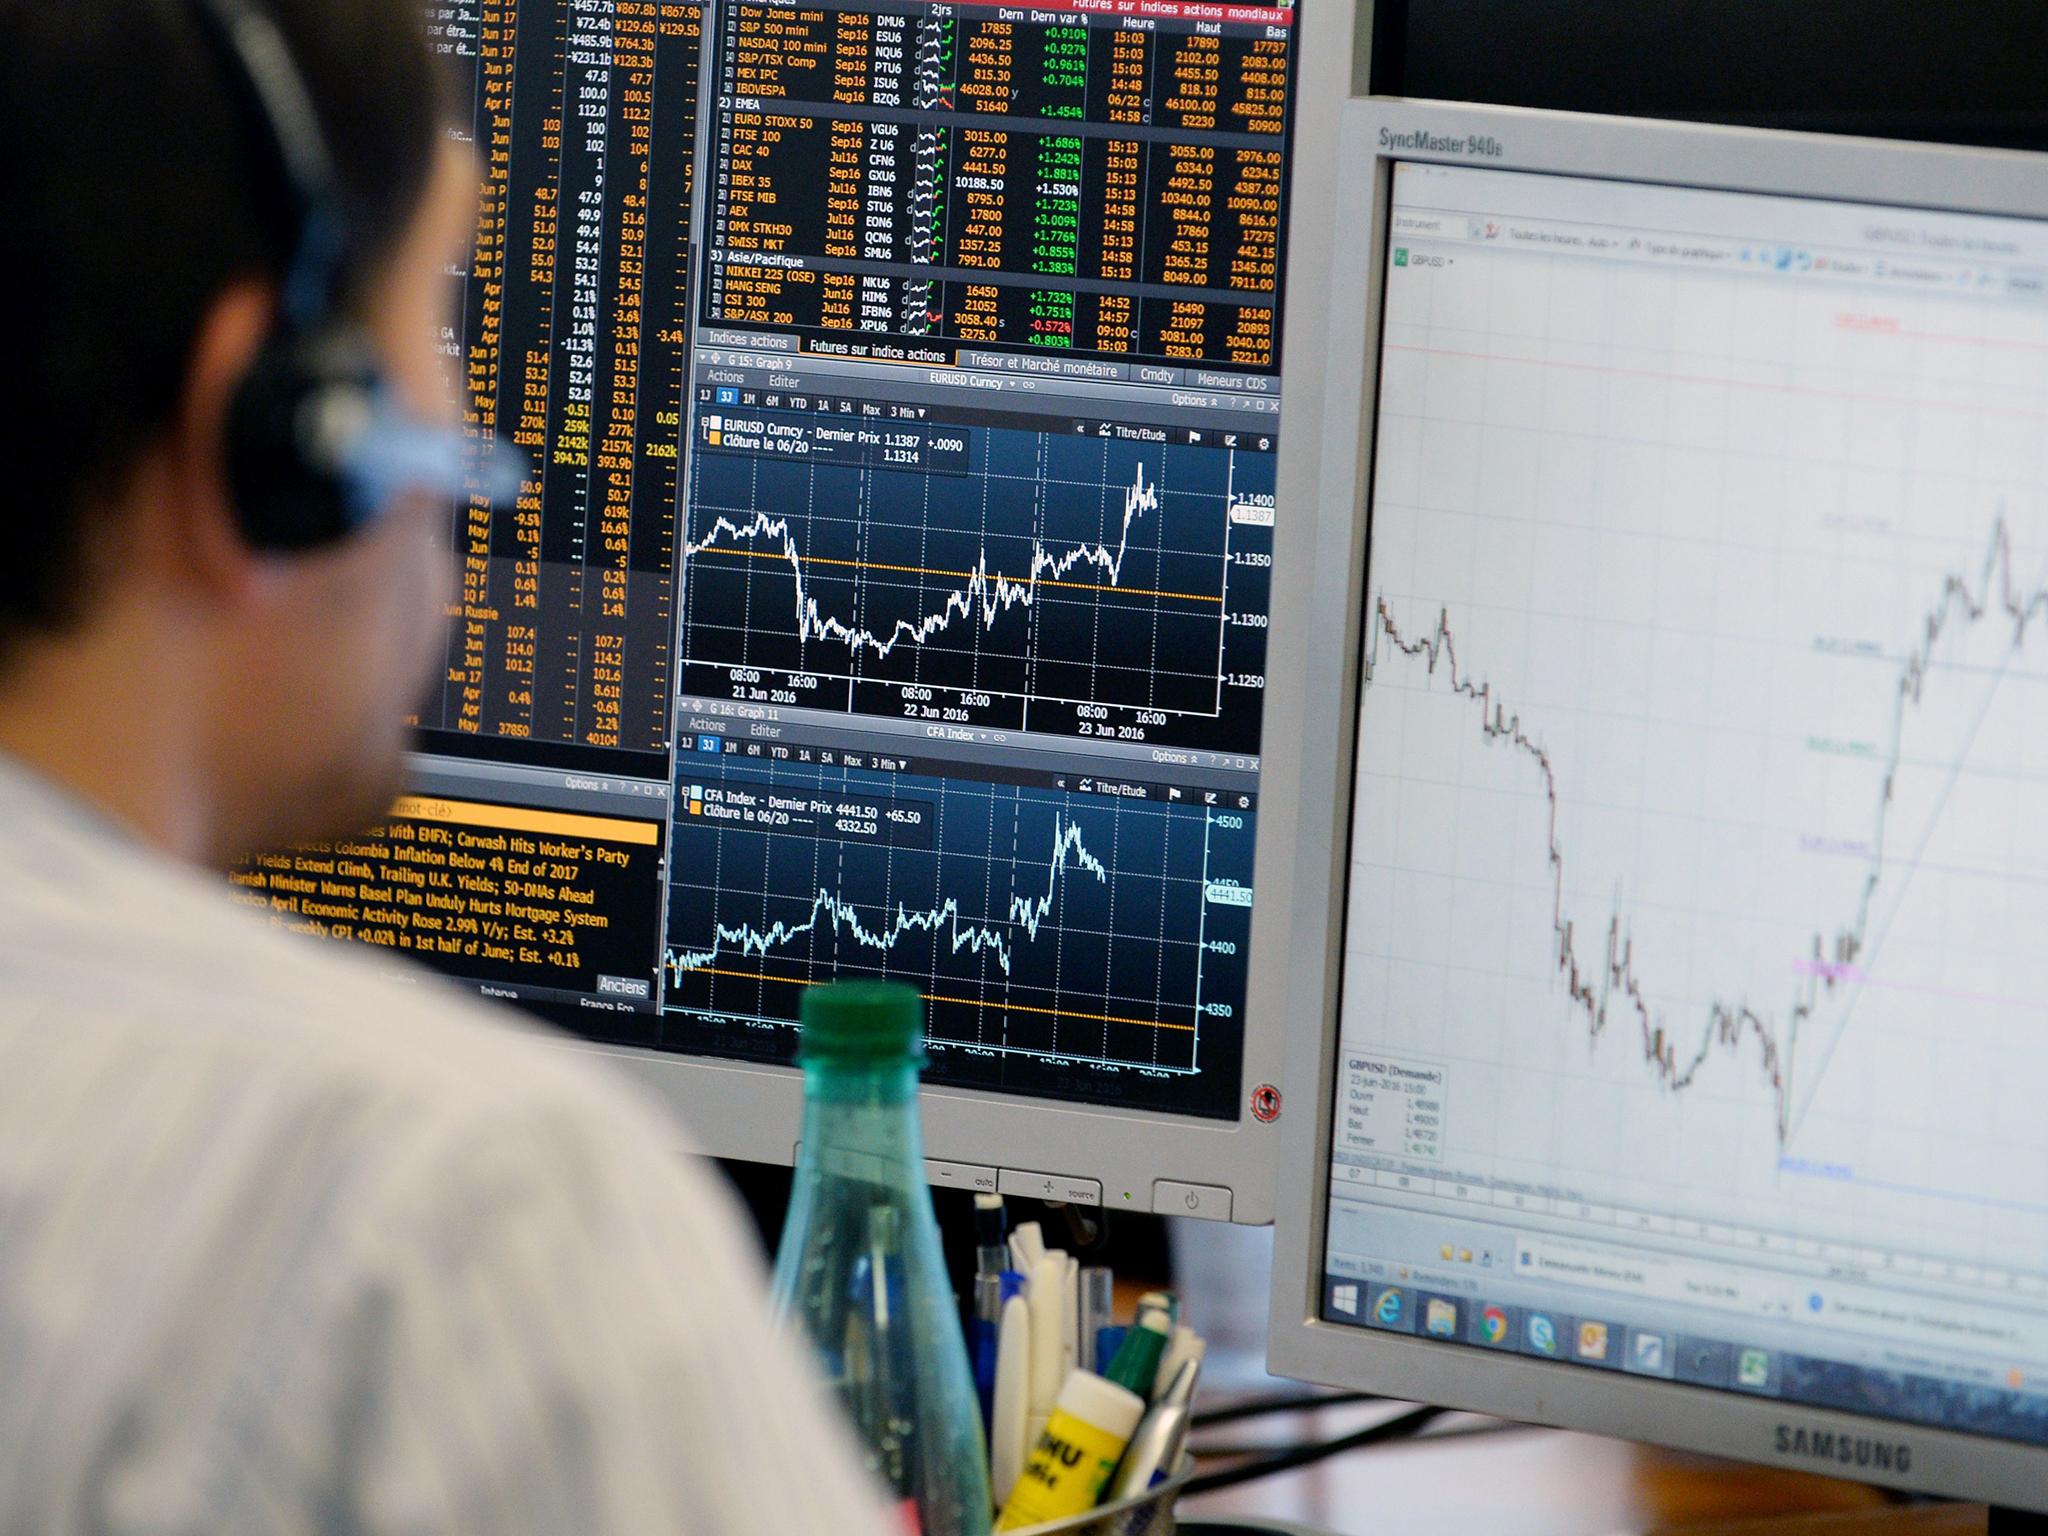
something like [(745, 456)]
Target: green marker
[(1137, 1361)]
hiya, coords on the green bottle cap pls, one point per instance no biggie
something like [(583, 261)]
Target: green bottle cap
[(1137, 1362), (863, 1022)]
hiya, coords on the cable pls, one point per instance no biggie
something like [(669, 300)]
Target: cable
[(1462, 1427), (1087, 1230), (1280, 1402), (1400, 1426)]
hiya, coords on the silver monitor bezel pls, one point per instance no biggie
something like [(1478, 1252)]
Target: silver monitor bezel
[(751, 1112), (1376, 133)]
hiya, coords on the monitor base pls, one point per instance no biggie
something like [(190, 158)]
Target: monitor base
[(2014, 1522)]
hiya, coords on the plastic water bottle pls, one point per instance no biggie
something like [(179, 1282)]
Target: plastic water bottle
[(860, 1268)]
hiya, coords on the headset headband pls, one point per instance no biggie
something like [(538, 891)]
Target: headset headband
[(273, 94), (319, 444)]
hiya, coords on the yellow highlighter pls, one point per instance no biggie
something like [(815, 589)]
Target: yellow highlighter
[(1076, 1455)]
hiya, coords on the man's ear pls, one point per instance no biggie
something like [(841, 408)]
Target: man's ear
[(198, 505)]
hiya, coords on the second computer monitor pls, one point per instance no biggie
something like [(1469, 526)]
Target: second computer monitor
[(1669, 953)]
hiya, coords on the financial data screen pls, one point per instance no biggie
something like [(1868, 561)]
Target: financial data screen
[(979, 530), (569, 343), (970, 152), (889, 594), (1692, 974)]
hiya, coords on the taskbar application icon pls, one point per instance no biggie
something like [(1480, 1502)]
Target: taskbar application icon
[(1756, 1370), (1494, 1326), (1598, 1344), (1649, 1353), (1392, 1309)]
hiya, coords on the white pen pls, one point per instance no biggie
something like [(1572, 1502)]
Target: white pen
[(1048, 1337), (1011, 1412), (1027, 1247), (1070, 1316)]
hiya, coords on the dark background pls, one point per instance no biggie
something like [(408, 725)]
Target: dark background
[(1959, 71)]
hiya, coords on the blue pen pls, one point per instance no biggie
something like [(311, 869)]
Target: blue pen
[(982, 1338), (991, 1290)]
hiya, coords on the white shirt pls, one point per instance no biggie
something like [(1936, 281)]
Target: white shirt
[(289, 1246)]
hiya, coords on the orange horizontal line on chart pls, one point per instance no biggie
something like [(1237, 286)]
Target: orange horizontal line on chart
[(971, 1002), (925, 570)]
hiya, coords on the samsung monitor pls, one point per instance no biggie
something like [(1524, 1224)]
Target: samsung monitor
[(910, 413), (1668, 976)]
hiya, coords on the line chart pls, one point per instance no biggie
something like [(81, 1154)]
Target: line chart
[(946, 920), (1837, 961), (1697, 862), (985, 596), (1061, 939), (1066, 582)]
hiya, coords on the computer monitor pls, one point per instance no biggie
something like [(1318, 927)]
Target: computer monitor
[(891, 593), (1668, 956)]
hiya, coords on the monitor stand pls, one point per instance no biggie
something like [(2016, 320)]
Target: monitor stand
[(2015, 1522)]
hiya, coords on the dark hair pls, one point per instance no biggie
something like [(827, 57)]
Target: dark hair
[(137, 191)]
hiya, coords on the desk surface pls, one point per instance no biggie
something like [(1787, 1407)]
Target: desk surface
[(1479, 1479)]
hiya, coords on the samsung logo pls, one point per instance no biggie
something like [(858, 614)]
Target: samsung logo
[(1421, 141), (1845, 1450)]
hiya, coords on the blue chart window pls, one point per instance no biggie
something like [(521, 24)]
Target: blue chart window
[(1048, 918), (1065, 579)]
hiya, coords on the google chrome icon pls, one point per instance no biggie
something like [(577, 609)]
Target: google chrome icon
[(1493, 1326)]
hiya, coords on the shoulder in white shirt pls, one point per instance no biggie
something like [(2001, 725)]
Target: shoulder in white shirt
[(287, 1245)]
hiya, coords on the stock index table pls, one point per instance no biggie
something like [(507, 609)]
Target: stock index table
[(1102, 178)]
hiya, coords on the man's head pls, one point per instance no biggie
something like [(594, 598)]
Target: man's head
[(217, 697)]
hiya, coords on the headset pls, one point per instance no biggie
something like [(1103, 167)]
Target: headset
[(318, 443)]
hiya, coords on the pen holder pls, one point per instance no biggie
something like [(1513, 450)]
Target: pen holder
[(1144, 1514)]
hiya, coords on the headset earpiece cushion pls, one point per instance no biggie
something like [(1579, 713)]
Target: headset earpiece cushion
[(291, 430)]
